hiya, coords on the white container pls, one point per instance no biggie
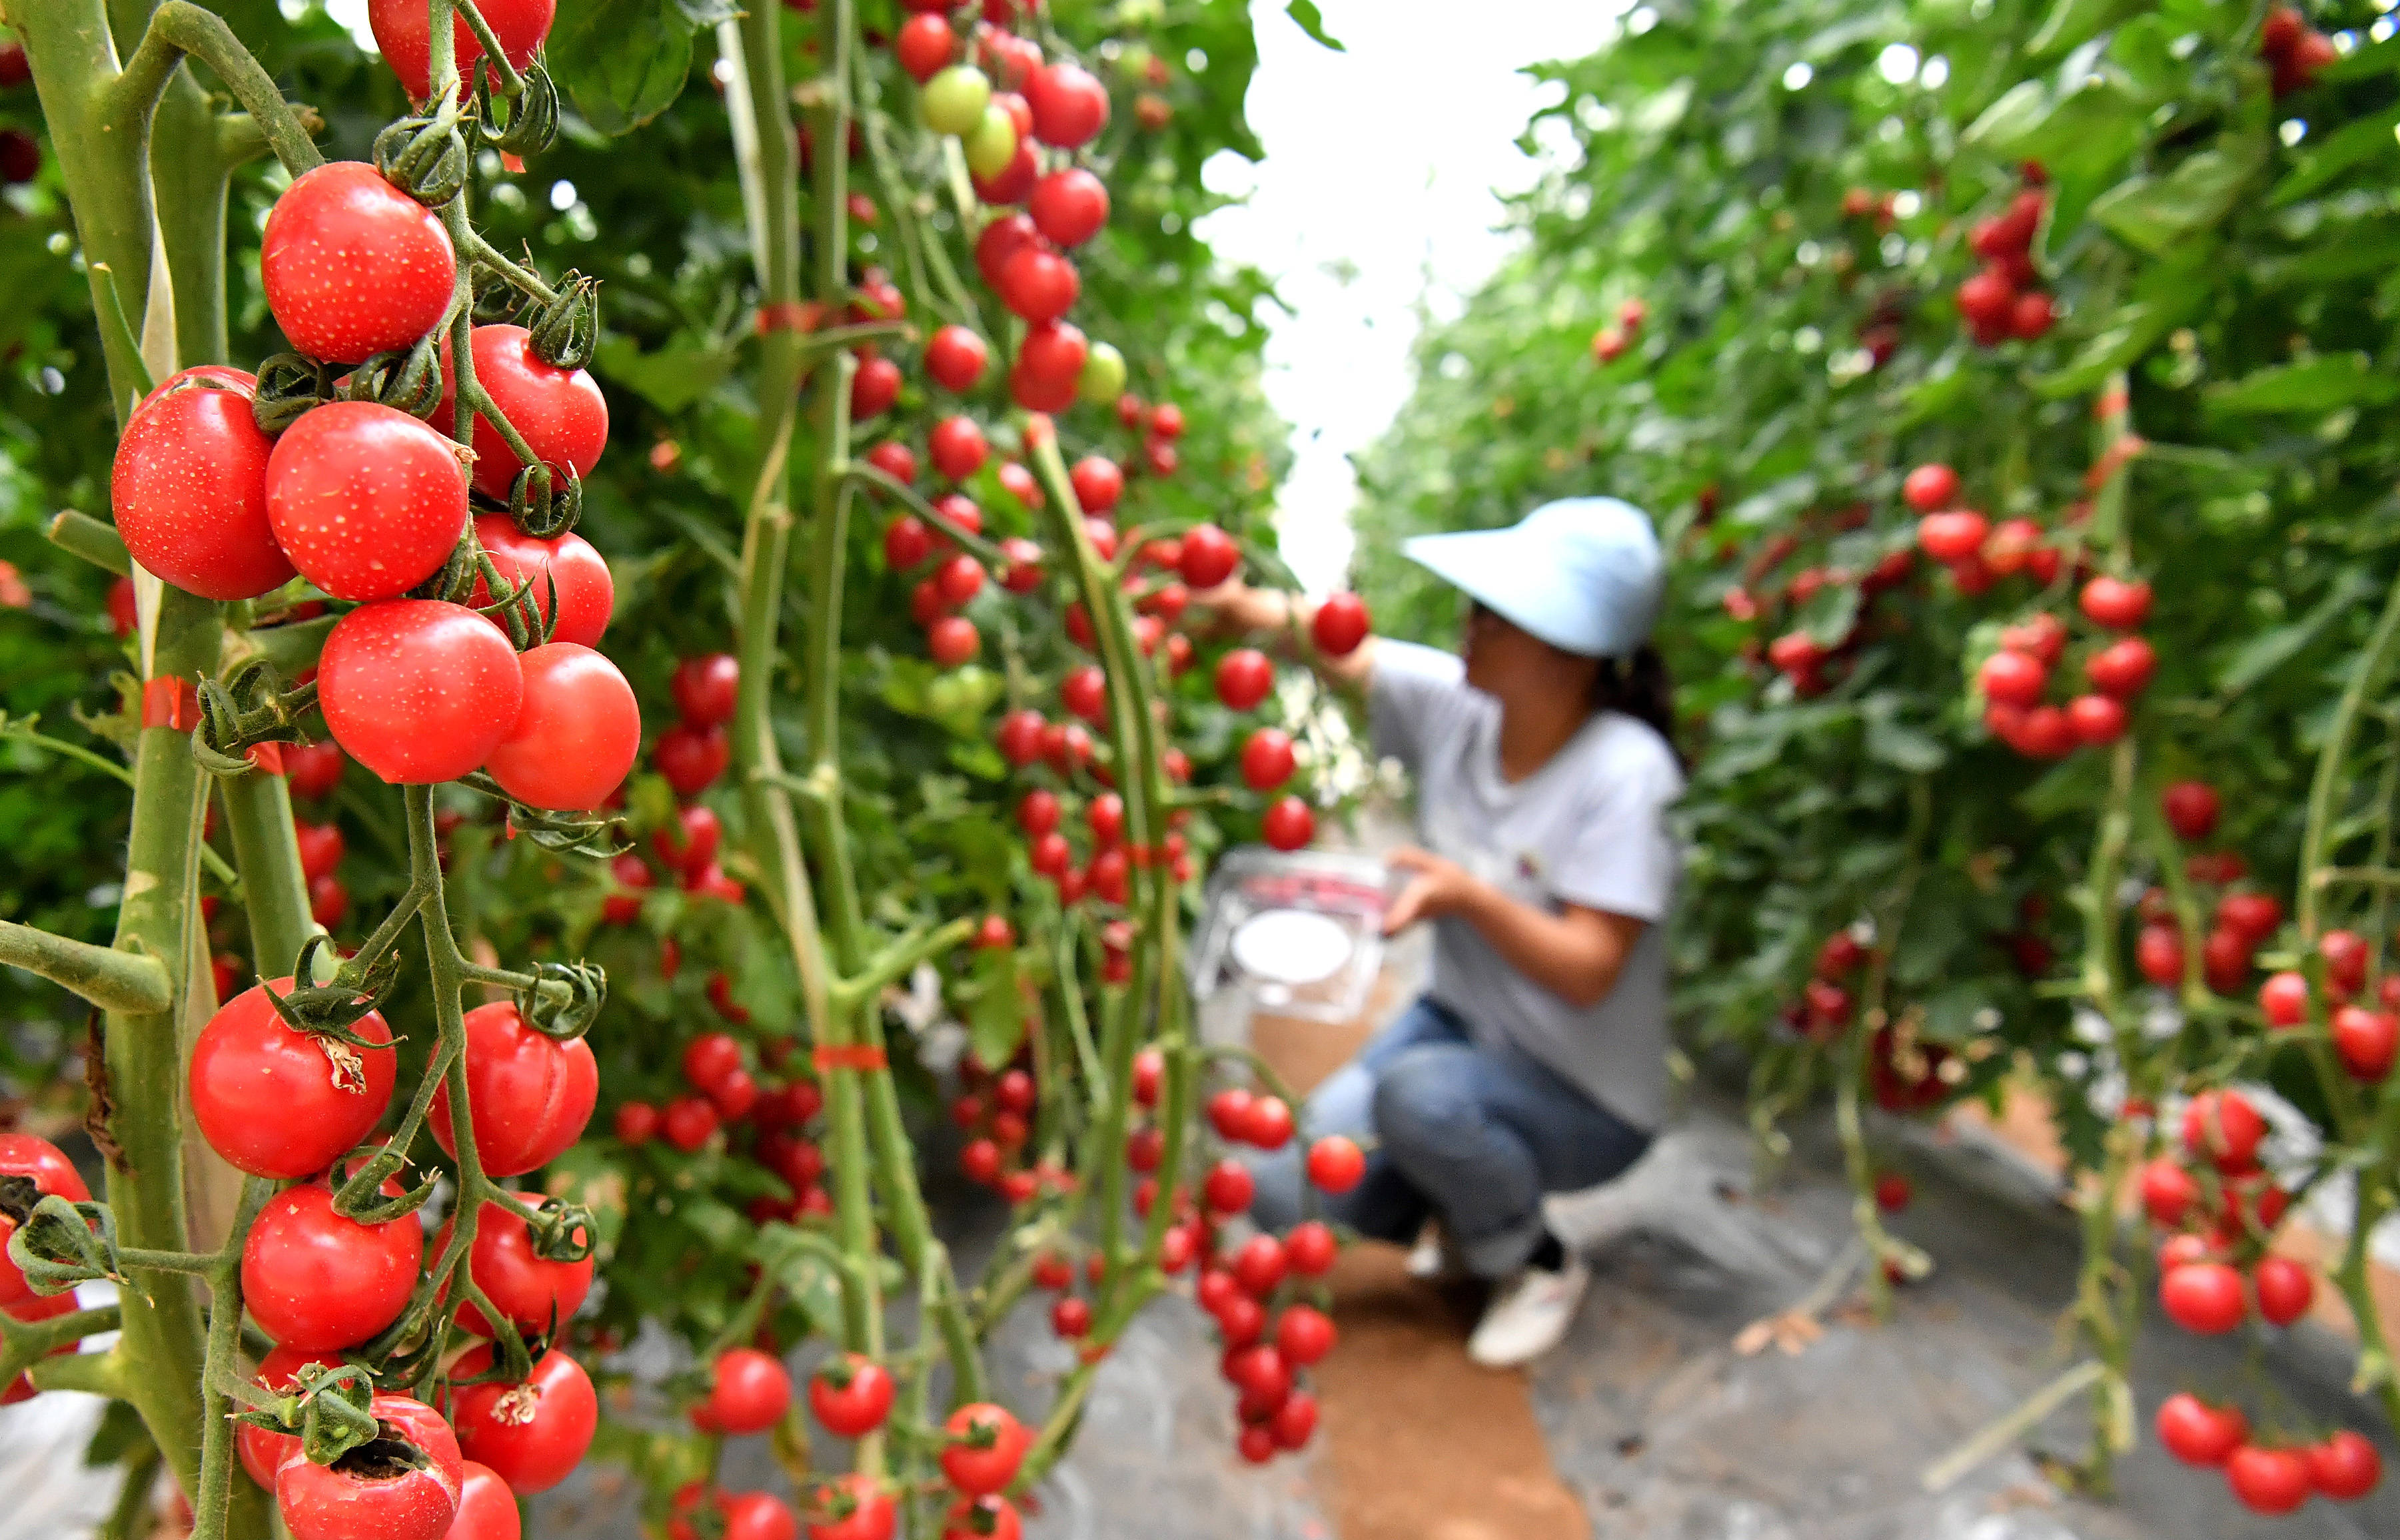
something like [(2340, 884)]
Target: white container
[(1296, 934)]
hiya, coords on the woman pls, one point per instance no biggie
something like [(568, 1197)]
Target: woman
[(1536, 1061)]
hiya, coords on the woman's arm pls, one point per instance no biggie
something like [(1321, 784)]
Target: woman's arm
[(1235, 608), (1576, 954)]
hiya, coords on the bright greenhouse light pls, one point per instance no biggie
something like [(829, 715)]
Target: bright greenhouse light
[(562, 195), (1798, 76), (1897, 63), (1935, 75)]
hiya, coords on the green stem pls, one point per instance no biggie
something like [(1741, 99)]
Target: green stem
[(81, 535), (112, 979)]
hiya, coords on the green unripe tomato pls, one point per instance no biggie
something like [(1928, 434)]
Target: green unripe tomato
[(991, 144), (954, 101), (1103, 379)]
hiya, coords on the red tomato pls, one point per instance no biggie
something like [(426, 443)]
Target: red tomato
[(586, 592), (852, 1396), (986, 1444), (391, 1500), (952, 640), (1015, 181), (354, 266), (530, 1434), (874, 389), (956, 357), (560, 413), (1930, 488), (487, 1510), (402, 32), (2199, 1434), (1953, 537), (2284, 998), (692, 757), (418, 690), (531, 1093), (1209, 556), (53, 1175), (2267, 1481), (1038, 284), (1267, 759), (858, 1509), (894, 459), (1098, 484), (957, 447), (1070, 106), (1149, 1075), (2284, 1288), (2204, 1297), (758, 1516), (320, 848), (1289, 823), (1340, 624), (1019, 741), (690, 844), (2190, 808), (924, 47), (276, 1102), (707, 688), (2346, 1466), (317, 1282), (263, 1451), (2255, 916), (1304, 1335), (689, 1122), (1244, 677), (2158, 951), (2114, 602), (577, 734), (190, 489), (1229, 1187), (959, 580), (1018, 482), (366, 501), (1259, 1265), (748, 1392), (1051, 359), (312, 769), (982, 1519), (536, 1294), (2168, 1192), (1269, 1125), (1309, 1249), (907, 542), (2224, 1127), (2122, 669), (1335, 1164), (2096, 719), (2366, 1042), (1070, 207)]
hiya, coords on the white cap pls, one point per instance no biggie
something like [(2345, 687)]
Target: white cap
[(1583, 574)]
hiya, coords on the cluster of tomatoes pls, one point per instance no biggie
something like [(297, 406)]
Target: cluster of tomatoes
[(1609, 343), (2015, 679), (2220, 1208), (369, 503), (30, 1158), (2005, 298), (1906, 1072), (2294, 51), (294, 1105), (1797, 654)]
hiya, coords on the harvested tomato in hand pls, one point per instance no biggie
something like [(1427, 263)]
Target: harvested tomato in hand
[(531, 1094)]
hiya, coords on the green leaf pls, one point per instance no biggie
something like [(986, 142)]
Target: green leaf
[(1903, 748), (2268, 651), (1312, 22), (2345, 147), (2155, 214), (622, 63), (669, 378), (2008, 123), (2073, 21), (995, 1021), (2318, 385)]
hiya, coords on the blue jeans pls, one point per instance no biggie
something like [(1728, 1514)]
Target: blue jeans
[(1475, 1134)]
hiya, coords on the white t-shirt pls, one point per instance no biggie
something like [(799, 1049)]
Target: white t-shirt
[(1589, 828)]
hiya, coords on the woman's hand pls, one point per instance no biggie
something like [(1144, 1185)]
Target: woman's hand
[(1232, 608), (1434, 888)]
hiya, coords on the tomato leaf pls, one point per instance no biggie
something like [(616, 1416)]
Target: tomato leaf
[(996, 1017), (621, 61), (2261, 655), (2073, 21), (2319, 385), (2347, 146), (1312, 22), (2157, 214)]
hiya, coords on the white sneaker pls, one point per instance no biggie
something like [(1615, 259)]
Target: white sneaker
[(1529, 1316), (1433, 1259)]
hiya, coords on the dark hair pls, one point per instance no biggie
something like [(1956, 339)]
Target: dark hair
[(1640, 689)]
